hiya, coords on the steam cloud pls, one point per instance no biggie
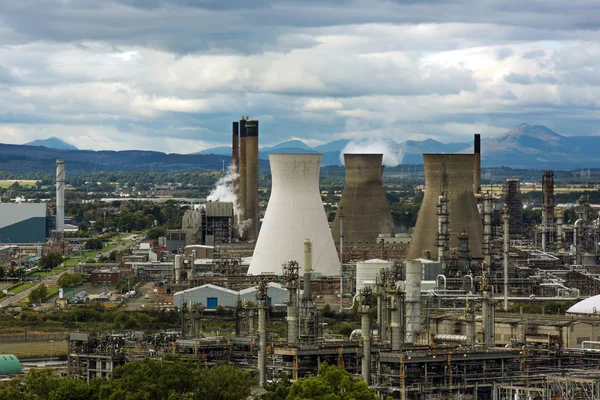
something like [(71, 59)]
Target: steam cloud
[(223, 191), (391, 157)]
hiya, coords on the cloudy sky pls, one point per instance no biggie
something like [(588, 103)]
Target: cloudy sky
[(172, 75)]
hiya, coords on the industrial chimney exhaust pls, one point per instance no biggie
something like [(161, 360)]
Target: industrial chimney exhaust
[(60, 198)]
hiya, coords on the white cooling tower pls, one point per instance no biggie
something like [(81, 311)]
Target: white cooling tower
[(295, 213)]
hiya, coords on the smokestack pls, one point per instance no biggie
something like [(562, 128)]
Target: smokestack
[(366, 333), (559, 231), (477, 173), (235, 156), (307, 269), (295, 211), (252, 178), (363, 204), (487, 228), (396, 329), (242, 169), (505, 250), (452, 175), (178, 263), (290, 276), (60, 198), (261, 297)]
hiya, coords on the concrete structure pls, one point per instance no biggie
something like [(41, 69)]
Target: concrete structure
[(366, 212), (23, 223), (60, 198), (368, 271), (242, 169), (295, 212), (451, 174), (191, 223), (235, 157), (251, 207), (175, 240)]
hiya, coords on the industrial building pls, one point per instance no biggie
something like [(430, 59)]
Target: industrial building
[(212, 296), (511, 193), (210, 225), (23, 223)]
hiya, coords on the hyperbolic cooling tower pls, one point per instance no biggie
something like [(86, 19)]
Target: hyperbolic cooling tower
[(295, 212), (452, 174), (366, 212)]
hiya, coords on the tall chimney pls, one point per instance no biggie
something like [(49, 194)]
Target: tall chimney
[(477, 174), (235, 156), (242, 169), (252, 178), (60, 197)]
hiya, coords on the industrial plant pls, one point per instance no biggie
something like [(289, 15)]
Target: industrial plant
[(438, 312)]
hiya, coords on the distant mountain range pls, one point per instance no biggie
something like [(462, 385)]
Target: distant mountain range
[(526, 146), (52, 143)]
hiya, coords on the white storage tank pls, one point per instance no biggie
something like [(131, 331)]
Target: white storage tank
[(367, 272)]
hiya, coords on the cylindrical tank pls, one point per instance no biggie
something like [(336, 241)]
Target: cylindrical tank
[(453, 175), (295, 212), (60, 196), (307, 269), (363, 204), (251, 208), (178, 266), (242, 169), (368, 271), (366, 338)]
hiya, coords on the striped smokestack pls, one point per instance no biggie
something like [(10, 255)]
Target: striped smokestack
[(242, 169), (252, 178), (235, 156), (477, 174), (60, 198)]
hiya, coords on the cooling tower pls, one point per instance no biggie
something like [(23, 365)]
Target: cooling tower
[(251, 208), (60, 197), (452, 174), (295, 212), (363, 205)]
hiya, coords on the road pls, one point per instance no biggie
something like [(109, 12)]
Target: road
[(49, 281)]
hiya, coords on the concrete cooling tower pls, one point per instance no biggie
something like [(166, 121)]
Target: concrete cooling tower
[(366, 212), (453, 174), (295, 212)]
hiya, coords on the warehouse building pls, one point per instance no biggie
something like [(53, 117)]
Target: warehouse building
[(213, 296)]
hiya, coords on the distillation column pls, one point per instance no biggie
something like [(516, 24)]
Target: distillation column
[(261, 297), (487, 228), (366, 303), (442, 230), (291, 279), (413, 300), (559, 231)]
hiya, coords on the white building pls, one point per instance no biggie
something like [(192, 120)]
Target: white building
[(212, 296)]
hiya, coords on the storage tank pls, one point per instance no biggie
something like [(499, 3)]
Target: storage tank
[(295, 212), (452, 174), (366, 212), (367, 272)]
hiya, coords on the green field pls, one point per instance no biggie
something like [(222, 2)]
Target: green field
[(34, 349), (6, 183)]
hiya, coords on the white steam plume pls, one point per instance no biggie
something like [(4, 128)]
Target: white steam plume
[(223, 191), (391, 156)]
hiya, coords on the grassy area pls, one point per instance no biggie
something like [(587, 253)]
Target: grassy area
[(6, 183), (34, 349), (23, 287), (45, 274)]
